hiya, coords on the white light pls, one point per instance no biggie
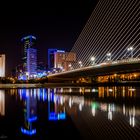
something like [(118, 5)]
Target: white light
[(93, 90), (132, 121), (131, 89), (92, 58), (70, 90), (80, 107), (109, 112), (69, 65), (130, 49), (93, 111), (110, 115), (61, 100), (111, 90), (123, 109), (70, 102), (61, 90), (108, 54), (80, 62)]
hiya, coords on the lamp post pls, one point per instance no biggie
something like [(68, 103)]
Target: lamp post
[(80, 63), (70, 66), (130, 49), (93, 60), (108, 56)]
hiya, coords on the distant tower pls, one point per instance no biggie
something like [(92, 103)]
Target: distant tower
[(2, 102), (2, 65), (51, 57), (51, 53), (31, 61), (30, 55)]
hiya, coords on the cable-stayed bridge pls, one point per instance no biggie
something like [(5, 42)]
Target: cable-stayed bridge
[(109, 41)]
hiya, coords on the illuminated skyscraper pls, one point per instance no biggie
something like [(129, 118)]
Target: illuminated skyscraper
[(51, 58), (2, 65), (2, 102), (29, 56), (64, 60), (31, 62), (59, 59), (28, 43)]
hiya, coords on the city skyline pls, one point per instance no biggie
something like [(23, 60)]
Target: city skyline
[(70, 70), (55, 26)]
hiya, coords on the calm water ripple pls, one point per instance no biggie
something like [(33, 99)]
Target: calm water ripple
[(75, 113)]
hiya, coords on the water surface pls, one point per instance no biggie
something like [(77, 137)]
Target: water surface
[(74, 113)]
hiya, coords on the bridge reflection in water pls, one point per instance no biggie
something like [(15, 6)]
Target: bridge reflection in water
[(105, 113)]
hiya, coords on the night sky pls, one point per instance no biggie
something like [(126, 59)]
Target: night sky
[(56, 24)]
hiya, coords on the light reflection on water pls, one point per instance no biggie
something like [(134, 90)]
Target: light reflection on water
[(62, 103)]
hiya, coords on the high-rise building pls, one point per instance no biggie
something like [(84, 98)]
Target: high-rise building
[(64, 60), (29, 57), (28, 42), (51, 53), (51, 58), (31, 62), (2, 102), (2, 65)]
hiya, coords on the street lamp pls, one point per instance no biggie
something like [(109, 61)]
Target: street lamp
[(108, 56), (93, 60), (130, 49), (70, 66), (80, 62)]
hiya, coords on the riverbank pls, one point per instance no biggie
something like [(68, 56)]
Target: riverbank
[(3, 86), (38, 85)]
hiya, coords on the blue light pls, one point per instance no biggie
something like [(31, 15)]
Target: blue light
[(23, 93), (22, 77), (27, 37), (41, 74), (32, 119), (61, 51), (62, 116), (52, 97), (54, 116), (28, 132)]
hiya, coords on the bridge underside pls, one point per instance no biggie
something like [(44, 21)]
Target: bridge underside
[(95, 72)]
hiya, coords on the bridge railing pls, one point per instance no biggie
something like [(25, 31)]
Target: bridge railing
[(117, 62)]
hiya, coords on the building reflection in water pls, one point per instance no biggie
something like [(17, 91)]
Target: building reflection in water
[(132, 116), (56, 108), (30, 112), (116, 92), (102, 92), (60, 103), (2, 102), (110, 108), (129, 112)]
